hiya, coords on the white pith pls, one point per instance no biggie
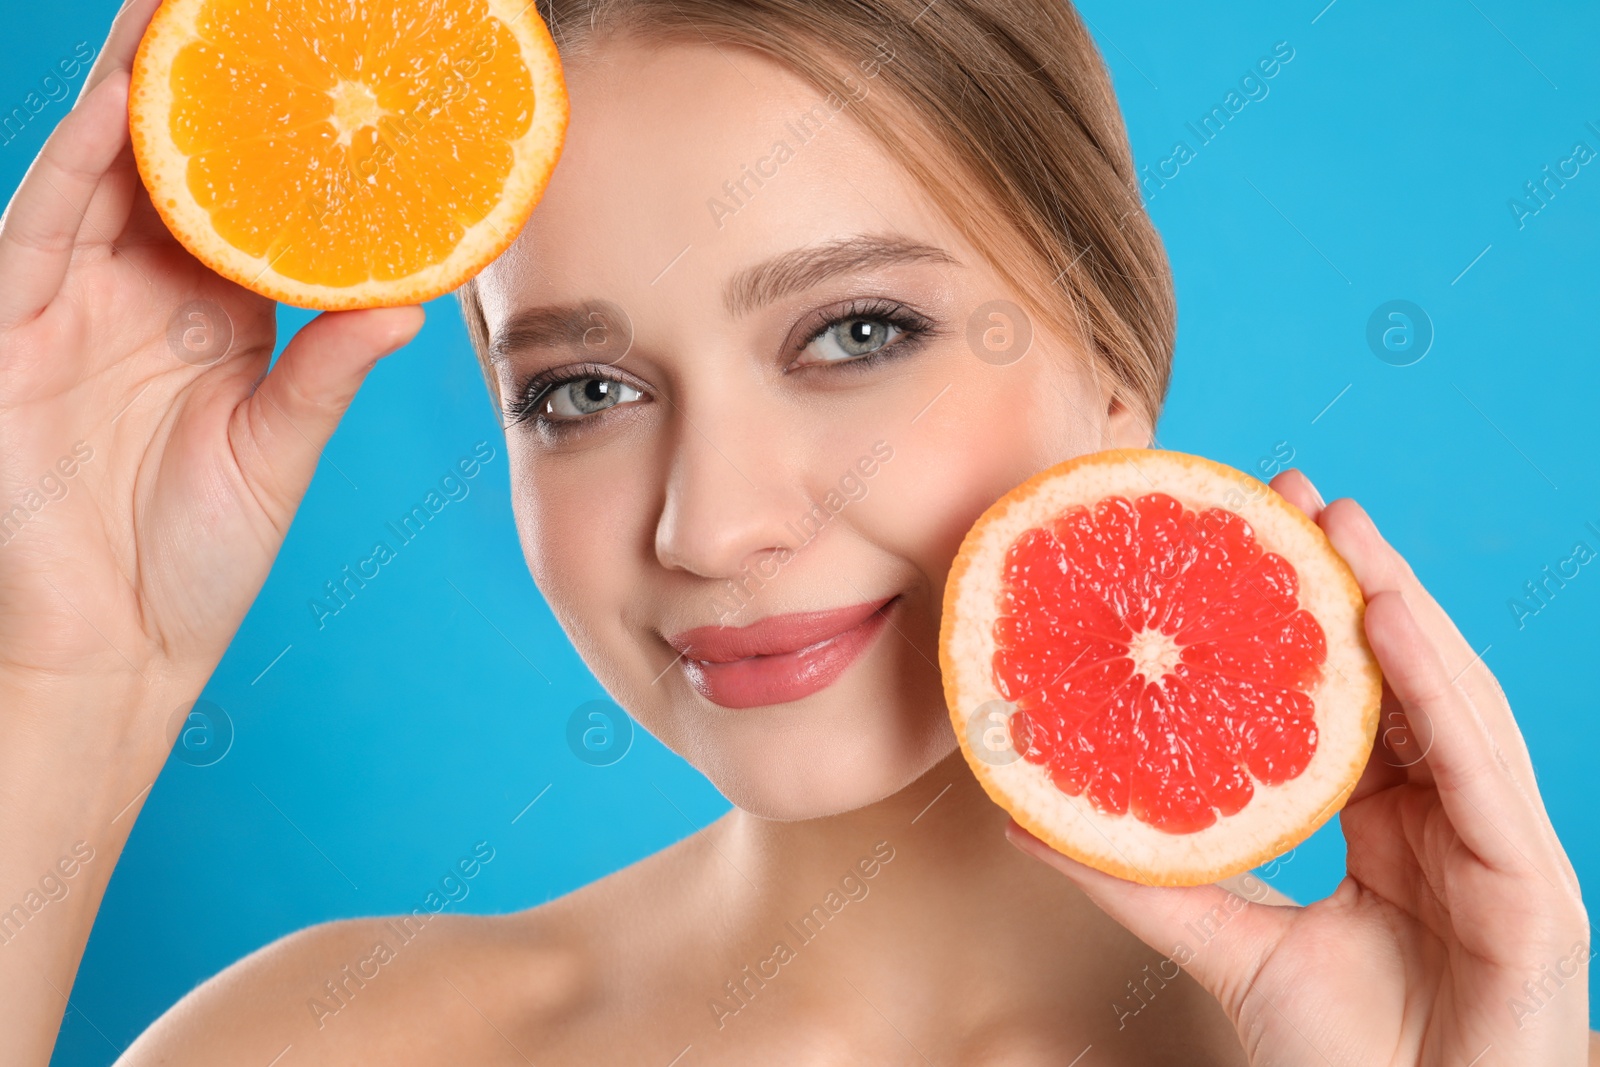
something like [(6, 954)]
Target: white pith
[(1346, 700), (164, 169), (1153, 653), (354, 105)]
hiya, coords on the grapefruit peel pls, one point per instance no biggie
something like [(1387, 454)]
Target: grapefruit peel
[(1277, 817)]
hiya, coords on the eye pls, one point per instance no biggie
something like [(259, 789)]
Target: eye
[(852, 337), (581, 397), (560, 400), (862, 331)]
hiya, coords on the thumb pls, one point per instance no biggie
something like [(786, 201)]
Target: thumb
[(1221, 938), (295, 409)]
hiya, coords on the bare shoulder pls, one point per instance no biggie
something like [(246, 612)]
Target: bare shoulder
[(442, 988), (405, 989)]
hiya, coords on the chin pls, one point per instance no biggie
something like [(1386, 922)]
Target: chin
[(796, 763)]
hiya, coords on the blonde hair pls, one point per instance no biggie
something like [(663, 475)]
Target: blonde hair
[(1015, 134)]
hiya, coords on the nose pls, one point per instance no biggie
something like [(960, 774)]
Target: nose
[(730, 498)]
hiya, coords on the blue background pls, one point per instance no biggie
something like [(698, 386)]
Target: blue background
[(371, 754)]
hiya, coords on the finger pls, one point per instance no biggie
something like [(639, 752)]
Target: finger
[(1296, 488), (1490, 815), (1397, 753), (40, 227), (284, 424), (121, 43), (1377, 567), (1222, 939), (1397, 757), (111, 213)]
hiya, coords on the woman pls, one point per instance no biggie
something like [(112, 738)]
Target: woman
[(752, 278)]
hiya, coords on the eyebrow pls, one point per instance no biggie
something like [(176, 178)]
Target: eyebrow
[(791, 272), (551, 326), (803, 268)]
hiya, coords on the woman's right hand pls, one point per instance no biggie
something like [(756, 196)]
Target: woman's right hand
[(147, 477), (144, 565)]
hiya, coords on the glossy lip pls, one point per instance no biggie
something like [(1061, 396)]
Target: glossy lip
[(780, 658)]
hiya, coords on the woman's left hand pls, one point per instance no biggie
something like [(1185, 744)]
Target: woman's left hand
[(1458, 935)]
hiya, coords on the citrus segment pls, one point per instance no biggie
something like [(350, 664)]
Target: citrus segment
[(1194, 618), (1175, 656), (347, 154)]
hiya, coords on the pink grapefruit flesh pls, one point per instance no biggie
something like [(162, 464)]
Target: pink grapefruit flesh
[(1157, 665)]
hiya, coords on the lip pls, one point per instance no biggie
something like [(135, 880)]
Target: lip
[(780, 658)]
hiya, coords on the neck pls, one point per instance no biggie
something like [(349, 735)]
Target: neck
[(943, 817), (900, 896)]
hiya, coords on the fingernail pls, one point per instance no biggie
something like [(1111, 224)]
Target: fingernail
[(1025, 849), (1027, 844)]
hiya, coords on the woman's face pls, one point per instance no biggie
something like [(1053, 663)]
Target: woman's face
[(765, 384)]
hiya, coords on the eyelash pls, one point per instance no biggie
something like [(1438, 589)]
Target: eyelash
[(914, 328)]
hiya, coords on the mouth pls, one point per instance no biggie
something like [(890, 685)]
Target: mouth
[(780, 658)]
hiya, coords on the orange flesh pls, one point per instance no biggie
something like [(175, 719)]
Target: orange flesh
[(1158, 658), (348, 156)]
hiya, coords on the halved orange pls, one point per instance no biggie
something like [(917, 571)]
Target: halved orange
[(1157, 665), (346, 154)]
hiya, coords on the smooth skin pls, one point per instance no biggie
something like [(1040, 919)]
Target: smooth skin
[(117, 601)]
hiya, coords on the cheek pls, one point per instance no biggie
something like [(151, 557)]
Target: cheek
[(935, 494), (578, 539), (1003, 428)]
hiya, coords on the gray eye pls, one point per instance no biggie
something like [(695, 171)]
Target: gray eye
[(850, 338), (586, 396)]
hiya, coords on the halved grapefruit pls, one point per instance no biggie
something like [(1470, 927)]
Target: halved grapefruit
[(1157, 665), (346, 155)]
